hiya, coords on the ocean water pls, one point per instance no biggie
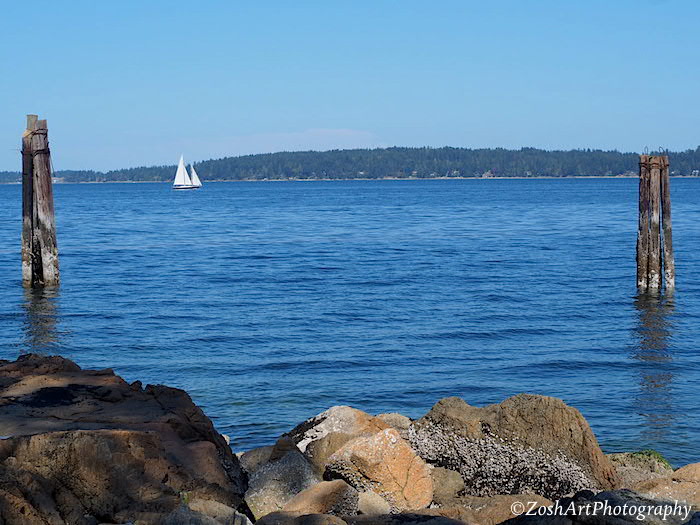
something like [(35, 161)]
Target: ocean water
[(271, 301)]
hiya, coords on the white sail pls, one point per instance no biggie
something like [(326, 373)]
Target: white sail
[(194, 177), (181, 176)]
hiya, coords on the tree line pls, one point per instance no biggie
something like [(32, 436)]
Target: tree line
[(397, 162)]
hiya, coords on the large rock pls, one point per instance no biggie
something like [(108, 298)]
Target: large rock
[(328, 497), (497, 509), (342, 419), (397, 421), (288, 518), (681, 485), (385, 464), (83, 445), (636, 467), (490, 510), (526, 444), (294, 518), (187, 515), (372, 503), (402, 519), (217, 511), (277, 482), (253, 459), (319, 451), (447, 485)]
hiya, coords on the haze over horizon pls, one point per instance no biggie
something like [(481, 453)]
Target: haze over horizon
[(127, 84)]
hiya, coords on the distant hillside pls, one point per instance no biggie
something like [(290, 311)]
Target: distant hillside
[(397, 163)]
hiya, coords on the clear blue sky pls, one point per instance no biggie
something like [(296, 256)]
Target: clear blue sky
[(127, 83)]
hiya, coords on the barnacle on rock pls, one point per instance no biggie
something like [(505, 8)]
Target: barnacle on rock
[(491, 465)]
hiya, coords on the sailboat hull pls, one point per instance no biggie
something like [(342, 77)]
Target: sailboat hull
[(186, 187)]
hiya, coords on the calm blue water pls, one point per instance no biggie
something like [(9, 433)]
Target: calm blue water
[(269, 302)]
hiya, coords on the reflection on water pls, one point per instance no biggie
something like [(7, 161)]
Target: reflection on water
[(40, 325), (654, 331)]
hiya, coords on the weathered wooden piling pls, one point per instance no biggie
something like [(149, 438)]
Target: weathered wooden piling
[(654, 209), (669, 261), (643, 231), (39, 247), (654, 223)]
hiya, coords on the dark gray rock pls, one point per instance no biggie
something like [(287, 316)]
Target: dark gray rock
[(277, 482), (253, 459)]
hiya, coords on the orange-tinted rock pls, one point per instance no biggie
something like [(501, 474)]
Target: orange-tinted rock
[(682, 485), (385, 464)]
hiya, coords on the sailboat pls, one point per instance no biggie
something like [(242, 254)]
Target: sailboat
[(194, 178), (184, 180)]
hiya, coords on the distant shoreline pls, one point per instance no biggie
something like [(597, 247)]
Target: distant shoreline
[(367, 179)]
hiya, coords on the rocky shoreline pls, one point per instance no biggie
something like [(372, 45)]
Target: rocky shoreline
[(85, 447)]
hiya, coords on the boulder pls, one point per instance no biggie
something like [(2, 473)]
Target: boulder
[(283, 445), (402, 519), (185, 515), (635, 467), (372, 503), (491, 510), (328, 497), (255, 458), (293, 518), (84, 445), (497, 509), (447, 485), (217, 511), (385, 464), (397, 421), (526, 444), (681, 485), (277, 482), (600, 509), (343, 419), (455, 512), (323, 448)]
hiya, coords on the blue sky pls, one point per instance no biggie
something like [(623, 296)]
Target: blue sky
[(128, 83)]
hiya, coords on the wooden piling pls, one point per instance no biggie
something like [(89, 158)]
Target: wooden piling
[(39, 246), (643, 231), (654, 223), (654, 209), (669, 261), (27, 200)]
